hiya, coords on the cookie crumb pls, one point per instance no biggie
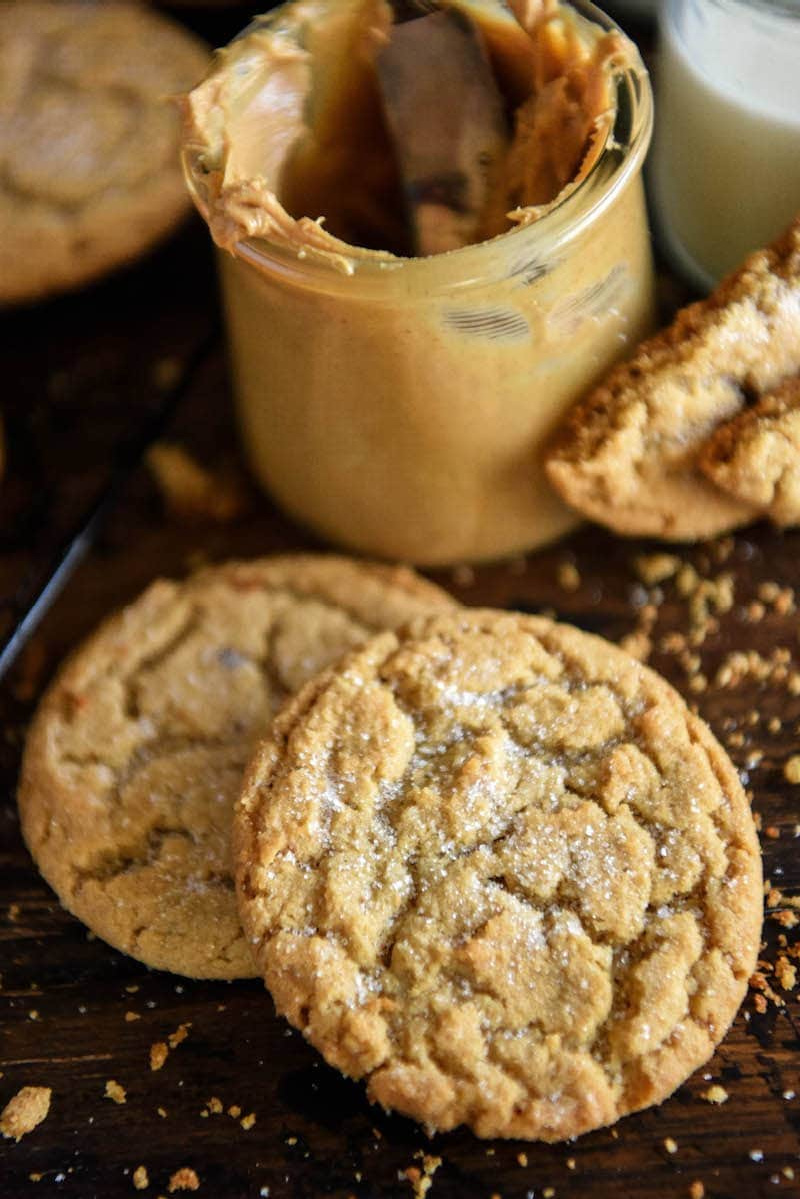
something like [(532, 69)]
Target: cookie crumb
[(181, 1033), (140, 1178), (234, 1111), (568, 576), (570, 1163), (194, 492), (422, 1180), (13, 913), (158, 1054), (670, 1145), (791, 770), (215, 1105), (184, 1179), (522, 1158), (696, 1190), (463, 575), (786, 973), (248, 1121), (24, 1111), (115, 1091), (656, 568), (131, 1016), (715, 1094)]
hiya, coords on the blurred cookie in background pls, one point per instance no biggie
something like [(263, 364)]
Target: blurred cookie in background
[(89, 170)]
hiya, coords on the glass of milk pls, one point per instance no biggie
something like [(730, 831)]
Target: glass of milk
[(725, 168)]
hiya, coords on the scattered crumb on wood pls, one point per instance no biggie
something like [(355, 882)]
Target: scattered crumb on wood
[(24, 1111), (184, 1179), (791, 770), (158, 1054), (195, 492), (180, 1035), (656, 568), (422, 1180), (115, 1091), (463, 575), (568, 576)]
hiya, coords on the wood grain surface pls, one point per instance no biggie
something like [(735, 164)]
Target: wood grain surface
[(75, 1014)]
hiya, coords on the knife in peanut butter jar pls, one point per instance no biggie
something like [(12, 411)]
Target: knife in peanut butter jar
[(448, 122)]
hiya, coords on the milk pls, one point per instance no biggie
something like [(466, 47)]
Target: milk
[(725, 170)]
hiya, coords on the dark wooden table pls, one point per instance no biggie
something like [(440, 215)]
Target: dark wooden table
[(87, 379)]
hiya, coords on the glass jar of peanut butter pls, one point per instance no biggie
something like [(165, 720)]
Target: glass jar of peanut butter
[(398, 402)]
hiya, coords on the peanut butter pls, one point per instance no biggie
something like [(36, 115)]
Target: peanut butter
[(399, 404)]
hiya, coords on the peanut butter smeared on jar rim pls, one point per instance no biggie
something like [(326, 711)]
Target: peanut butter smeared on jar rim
[(394, 400), (296, 127)]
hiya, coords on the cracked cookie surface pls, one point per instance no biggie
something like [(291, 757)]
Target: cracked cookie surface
[(89, 170), (627, 454), (496, 867), (756, 456), (135, 757)]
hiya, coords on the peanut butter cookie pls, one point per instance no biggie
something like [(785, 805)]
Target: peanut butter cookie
[(135, 756), (756, 456), (89, 170), (495, 866), (627, 456)]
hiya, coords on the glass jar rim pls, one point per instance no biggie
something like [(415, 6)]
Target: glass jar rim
[(525, 245)]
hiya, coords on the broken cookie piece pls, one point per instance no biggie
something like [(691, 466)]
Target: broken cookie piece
[(24, 1111), (627, 456), (756, 456)]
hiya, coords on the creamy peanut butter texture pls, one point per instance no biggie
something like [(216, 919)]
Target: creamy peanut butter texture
[(292, 132), (395, 398)]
